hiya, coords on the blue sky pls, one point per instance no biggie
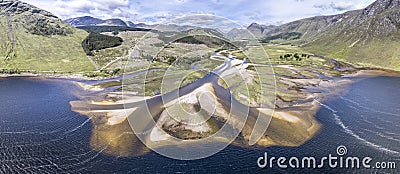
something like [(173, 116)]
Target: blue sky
[(243, 12)]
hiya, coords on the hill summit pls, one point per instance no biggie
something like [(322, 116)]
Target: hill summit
[(34, 39), (91, 21)]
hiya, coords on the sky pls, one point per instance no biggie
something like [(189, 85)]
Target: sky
[(242, 12)]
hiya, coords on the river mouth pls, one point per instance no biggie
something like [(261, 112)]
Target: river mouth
[(39, 128), (289, 125)]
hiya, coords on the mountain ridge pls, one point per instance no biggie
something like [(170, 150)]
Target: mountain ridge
[(92, 21), (365, 36), (34, 39), (368, 36)]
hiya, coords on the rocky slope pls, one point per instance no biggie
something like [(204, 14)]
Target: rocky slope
[(253, 31), (308, 28), (91, 21), (166, 27), (34, 39), (368, 36)]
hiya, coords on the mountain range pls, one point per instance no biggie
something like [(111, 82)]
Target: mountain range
[(91, 21), (368, 36), (33, 38)]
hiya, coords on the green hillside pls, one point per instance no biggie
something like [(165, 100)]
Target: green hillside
[(366, 37), (33, 39)]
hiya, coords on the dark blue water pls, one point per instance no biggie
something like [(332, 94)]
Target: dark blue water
[(39, 133)]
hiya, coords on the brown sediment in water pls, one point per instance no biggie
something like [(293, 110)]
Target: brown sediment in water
[(290, 127), (374, 73), (117, 140), (292, 123)]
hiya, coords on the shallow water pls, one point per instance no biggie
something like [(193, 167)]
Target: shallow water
[(40, 133)]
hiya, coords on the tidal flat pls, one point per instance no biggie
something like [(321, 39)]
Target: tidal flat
[(299, 88)]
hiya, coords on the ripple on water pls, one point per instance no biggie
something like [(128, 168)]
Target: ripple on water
[(37, 138), (367, 113)]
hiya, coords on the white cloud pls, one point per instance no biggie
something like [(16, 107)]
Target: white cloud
[(97, 8), (159, 11), (341, 6)]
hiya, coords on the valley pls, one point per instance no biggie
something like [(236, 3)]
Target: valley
[(108, 93)]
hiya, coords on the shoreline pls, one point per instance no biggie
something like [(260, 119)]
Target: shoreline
[(78, 76), (297, 123), (58, 76), (293, 121), (295, 116)]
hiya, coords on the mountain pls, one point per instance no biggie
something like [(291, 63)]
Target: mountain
[(34, 39), (114, 22), (307, 28), (260, 30), (91, 21), (368, 36), (84, 21), (130, 24), (166, 27), (255, 30)]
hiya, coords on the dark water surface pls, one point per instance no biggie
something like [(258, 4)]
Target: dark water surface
[(39, 133)]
